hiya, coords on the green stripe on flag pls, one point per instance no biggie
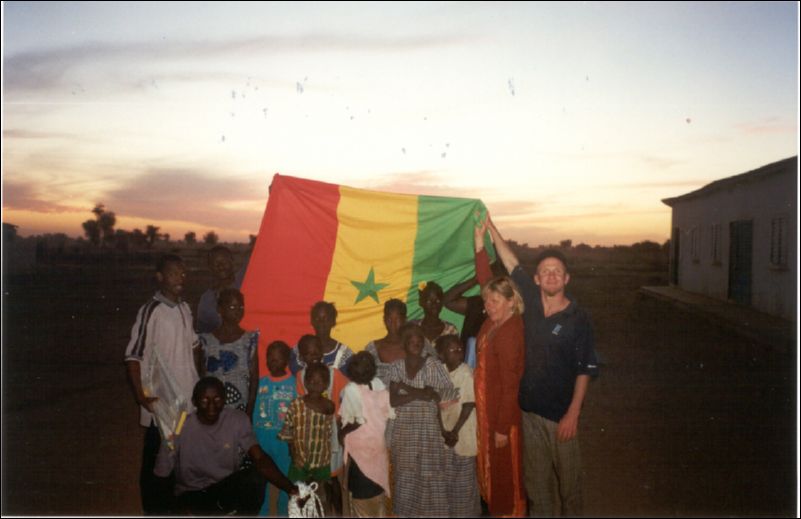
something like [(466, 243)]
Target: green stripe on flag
[(443, 248)]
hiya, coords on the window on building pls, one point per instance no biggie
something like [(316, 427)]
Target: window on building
[(715, 243), (778, 242), (694, 244)]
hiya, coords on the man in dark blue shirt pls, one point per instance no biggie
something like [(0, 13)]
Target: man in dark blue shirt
[(560, 359)]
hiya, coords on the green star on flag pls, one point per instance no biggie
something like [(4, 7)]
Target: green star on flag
[(369, 287)]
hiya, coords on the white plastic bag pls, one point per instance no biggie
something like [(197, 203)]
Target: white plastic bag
[(172, 406), (312, 507)]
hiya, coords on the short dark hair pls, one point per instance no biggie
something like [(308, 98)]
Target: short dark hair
[(432, 286), (361, 367), (409, 329), (205, 383), (550, 253), (230, 292), (443, 340), (279, 345), (322, 368), (167, 259), (329, 307), (308, 338), (395, 305)]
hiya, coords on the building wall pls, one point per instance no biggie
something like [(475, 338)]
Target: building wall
[(773, 289)]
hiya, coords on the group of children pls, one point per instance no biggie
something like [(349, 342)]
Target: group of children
[(319, 425), (398, 440)]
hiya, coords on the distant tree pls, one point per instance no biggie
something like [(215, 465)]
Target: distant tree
[(59, 241), (9, 232), (666, 245), (211, 238), (565, 244), (583, 247), (122, 240), (152, 234), (50, 245), (138, 239), (166, 237), (252, 242), (92, 231), (105, 222), (646, 246), (190, 238)]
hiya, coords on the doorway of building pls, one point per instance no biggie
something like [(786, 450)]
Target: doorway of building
[(674, 258), (740, 251)]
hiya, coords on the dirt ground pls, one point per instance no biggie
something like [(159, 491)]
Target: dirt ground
[(685, 419)]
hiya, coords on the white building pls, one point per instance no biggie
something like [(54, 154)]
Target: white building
[(736, 239)]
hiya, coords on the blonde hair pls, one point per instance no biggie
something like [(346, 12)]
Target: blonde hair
[(504, 286)]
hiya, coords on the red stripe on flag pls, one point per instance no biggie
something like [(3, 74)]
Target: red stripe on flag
[(289, 267)]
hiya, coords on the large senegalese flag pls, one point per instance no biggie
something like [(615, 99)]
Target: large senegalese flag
[(355, 248)]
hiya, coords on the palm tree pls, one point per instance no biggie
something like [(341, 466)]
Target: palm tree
[(105, 224), (92, 231)]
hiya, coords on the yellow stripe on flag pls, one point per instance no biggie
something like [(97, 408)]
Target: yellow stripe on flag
[(376, 234)]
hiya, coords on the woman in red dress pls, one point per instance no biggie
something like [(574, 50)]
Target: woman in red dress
[(499, 366)]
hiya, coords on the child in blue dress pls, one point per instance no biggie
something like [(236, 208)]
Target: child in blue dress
[(276, 391), (230, 352)]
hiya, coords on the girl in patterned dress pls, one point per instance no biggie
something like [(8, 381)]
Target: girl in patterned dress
[(388, 349), (416, 385), (230, 353), (276, 391), (430, 300)]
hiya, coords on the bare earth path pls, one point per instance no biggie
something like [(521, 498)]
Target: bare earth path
[(686, 419)]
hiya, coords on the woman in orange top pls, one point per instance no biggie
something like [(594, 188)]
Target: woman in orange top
[(499, 366)]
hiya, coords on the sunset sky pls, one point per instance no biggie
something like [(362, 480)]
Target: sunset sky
[(569, 120)]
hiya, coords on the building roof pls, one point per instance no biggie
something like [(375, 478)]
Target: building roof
[(774, 168)]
